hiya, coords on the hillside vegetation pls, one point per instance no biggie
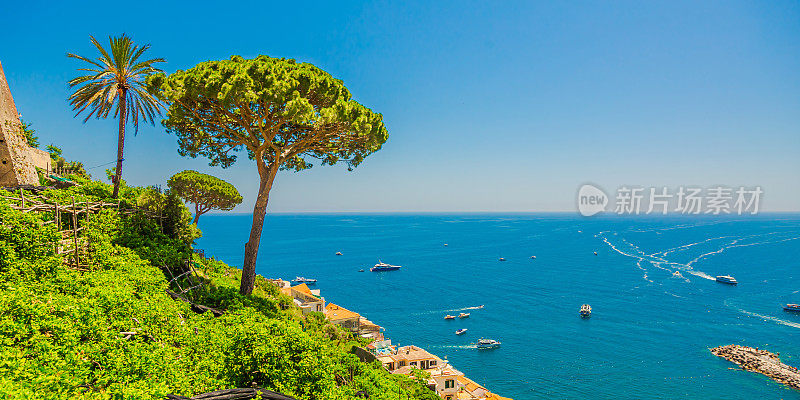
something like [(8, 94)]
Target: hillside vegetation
[(60, 326)]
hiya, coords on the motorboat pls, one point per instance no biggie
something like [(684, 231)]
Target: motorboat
[(461, 331), (338, 253), (463, 315), (480, 306), (301, 279), (488, 344), (382, 266), (502, 259), (792, 307), (727, 279), (448, 316), (445, 245), (586, 311), (595, 253), (533, 257)]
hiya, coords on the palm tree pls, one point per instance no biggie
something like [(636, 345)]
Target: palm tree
[(116, 80)]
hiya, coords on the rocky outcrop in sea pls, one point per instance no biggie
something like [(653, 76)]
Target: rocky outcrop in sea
[(761, 361)]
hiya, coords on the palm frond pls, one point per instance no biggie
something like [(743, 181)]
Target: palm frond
[(115, 72)]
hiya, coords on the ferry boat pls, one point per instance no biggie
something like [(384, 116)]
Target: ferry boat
[(461, 331), (463, 315), (792, 307), (727, 279), (301, 279), (448, 316), (382, 266), (586, 311), (488, 344)]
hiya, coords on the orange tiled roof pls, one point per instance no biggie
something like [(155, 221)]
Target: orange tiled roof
[(336, 313), (469, 383), (492, 396), (303, 288)]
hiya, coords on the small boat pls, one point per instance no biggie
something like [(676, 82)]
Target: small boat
[(586, 311), (727, 279), (502, 259), (488, 344), (677, 274), (445, 245), (301, 279), (533, 257), (595, 253), (338, 253), (463, 315), (480, 306), (461, 331), (792, 307), (361, 270), (448, 316), (382, 266)]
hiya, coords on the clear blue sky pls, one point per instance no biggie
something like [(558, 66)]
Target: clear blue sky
[(490, 106)]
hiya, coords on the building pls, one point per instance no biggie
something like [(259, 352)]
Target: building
[(305, 298), (469, 390), (410, 357), (341, 316)]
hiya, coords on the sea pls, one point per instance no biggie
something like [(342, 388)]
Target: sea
[(656, 306)]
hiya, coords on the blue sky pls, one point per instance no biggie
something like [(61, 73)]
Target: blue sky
[(490, 106)]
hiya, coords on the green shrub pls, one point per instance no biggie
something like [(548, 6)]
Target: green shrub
[(63, 331)]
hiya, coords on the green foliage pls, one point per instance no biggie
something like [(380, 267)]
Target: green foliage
[(29, 134), (205, 191), (281, 111), (61, 329), (116, 78), (75, 167)]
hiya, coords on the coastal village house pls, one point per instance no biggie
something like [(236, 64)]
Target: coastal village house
[(305, 298), (448, 382), (353, 322)]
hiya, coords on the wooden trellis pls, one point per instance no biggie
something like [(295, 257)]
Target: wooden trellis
[(77, 214)]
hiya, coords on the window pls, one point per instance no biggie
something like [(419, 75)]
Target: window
[(414, 363), (448, 384), (431, 363), (402, 364)]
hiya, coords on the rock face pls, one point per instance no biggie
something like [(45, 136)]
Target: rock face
[(761, 361), (16, 164)]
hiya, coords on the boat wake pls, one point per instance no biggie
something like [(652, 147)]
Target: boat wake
[(770, 318), (443, 346), (447, 311), (645, 260)]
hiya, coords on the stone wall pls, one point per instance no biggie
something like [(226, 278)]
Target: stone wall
[(16, 164)]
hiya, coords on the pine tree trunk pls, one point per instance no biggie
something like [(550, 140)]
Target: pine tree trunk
[(251, 247), (196, 213), (120, 140)]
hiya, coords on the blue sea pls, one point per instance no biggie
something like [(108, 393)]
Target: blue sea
[(656, 308)]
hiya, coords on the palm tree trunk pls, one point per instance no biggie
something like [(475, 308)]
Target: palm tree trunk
[(259, 212), (120, 140)]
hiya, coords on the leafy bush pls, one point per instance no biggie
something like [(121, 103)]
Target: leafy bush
[(113, 332)]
